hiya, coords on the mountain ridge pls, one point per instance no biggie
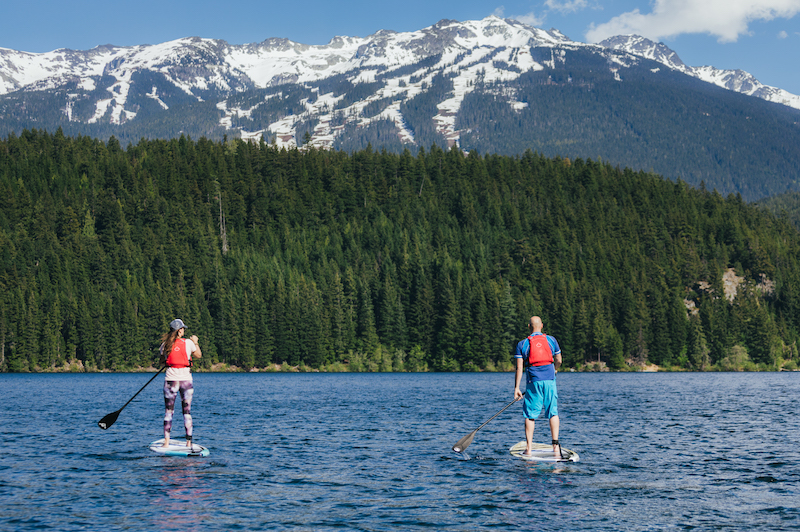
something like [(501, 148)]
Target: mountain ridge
[(413, 89), (736, 80), (249, 58)]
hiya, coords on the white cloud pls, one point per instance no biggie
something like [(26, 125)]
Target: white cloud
[(782, 35), (530, 19), (725, 19), (566, 6)]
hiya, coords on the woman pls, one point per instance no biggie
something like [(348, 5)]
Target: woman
[(177, 353)]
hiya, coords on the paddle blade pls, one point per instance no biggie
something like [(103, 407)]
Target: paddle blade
[(108, 420), (462, 444)]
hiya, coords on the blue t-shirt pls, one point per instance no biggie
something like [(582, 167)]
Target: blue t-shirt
[(538, 373)]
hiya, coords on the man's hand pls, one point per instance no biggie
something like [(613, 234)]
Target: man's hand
[(517, 394)]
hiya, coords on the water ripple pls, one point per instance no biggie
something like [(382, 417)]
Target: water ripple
[(373, 453)]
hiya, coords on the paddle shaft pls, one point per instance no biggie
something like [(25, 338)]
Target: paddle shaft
[(110, 421), (464, 442), (142, 388), (497, 414)]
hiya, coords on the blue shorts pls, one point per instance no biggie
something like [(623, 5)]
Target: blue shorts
[(540, 394)]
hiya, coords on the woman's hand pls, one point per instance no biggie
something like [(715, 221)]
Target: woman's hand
[(197, 353)]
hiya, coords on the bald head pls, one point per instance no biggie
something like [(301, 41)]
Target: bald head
[(535, 324)]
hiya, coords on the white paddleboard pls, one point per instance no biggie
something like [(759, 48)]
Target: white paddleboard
[(543, 452), (178, 448)]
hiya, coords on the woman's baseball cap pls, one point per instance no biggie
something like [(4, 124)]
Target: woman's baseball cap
[(177, 324)]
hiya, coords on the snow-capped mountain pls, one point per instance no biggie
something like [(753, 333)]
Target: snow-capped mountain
[(735, 80), (114, 85), (491, 85), (214, 70), (273, 61)]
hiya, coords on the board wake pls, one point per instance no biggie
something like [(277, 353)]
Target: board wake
[(543, 452), (178, 448)]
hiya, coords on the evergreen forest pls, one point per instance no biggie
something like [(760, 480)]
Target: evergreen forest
[(378, 261), (785, 205)]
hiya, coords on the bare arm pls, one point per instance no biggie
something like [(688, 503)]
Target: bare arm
[(557, 361), (197, 353), (518, 378)]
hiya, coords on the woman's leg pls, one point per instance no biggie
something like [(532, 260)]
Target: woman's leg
[(170, 393), (187, 391)]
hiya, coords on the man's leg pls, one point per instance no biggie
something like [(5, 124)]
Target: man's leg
[(531, 408), (550, 393), (530, 424), (554, 425)]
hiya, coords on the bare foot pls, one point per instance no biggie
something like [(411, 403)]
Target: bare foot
[(526, 452), (166, 442)]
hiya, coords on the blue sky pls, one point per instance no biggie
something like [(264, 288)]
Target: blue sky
[(759, 36)]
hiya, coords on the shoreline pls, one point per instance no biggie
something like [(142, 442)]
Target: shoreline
[(78, 367)]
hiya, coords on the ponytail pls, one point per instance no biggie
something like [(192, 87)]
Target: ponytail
[(167, 341)]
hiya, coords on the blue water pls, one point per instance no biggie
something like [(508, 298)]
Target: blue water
[(716, 451)]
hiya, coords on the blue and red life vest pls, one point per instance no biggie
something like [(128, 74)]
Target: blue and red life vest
[(539, 351), (179, 357)]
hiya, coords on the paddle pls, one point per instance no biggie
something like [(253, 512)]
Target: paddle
[(462, 444), (111, 418)]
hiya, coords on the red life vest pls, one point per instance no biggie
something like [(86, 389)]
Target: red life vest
[(178, 357), (539, 351)]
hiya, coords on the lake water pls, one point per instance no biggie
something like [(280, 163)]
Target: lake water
[(681, 451)]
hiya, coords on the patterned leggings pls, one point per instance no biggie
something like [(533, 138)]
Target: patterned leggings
[(171, 389)]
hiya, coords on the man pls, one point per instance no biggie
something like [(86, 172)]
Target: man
[(543, 357)]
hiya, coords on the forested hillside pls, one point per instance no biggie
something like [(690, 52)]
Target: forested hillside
[(784, 205), (377, 261), (666, 122)]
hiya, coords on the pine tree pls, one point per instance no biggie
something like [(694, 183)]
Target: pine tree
[(698, 350)]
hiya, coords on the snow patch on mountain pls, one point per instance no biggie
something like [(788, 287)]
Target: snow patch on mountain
[(101, 108), (154, 95)]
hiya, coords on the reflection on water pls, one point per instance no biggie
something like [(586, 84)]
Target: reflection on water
[(374, 452), (183, 497)]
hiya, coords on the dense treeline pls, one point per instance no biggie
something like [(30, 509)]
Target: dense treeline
[(376, 261)]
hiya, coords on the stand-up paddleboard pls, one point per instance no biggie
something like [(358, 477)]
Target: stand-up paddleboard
[(178, 448), (542, 452)]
